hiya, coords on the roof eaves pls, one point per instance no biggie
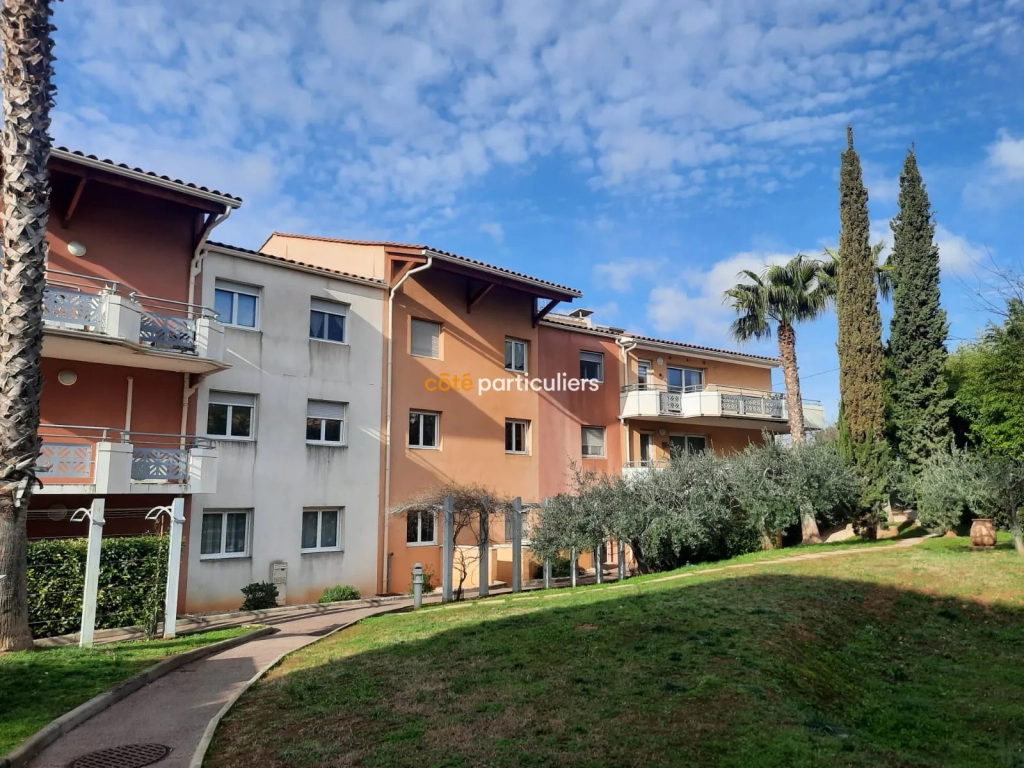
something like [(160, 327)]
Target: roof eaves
[(234, 250)]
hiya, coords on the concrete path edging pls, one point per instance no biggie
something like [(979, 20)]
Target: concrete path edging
[(211, 728), (45, 736)]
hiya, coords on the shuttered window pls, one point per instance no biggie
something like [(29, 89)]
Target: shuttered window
[(593, 442), (325, 422), (230, 415), (426, 339), (327, 320)]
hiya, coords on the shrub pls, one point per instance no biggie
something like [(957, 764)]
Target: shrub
[(259, 595), (561, 567), (946, 489), (132, 580), (339, 593)]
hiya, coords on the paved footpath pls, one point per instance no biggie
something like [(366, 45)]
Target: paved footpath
[(175, 709)]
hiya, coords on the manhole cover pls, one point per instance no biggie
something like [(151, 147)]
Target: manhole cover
[(126, 756)]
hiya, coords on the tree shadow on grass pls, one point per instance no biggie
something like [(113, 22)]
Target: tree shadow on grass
[(754, 670)]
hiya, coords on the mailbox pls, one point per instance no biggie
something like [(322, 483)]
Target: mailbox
[(279, 578)]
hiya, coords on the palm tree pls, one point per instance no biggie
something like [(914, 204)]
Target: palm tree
[(782, 296), (26, 72), (883, 272)]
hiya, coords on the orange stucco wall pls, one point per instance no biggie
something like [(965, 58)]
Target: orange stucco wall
[(723, 440), (563, 414), (364, 260), (715, 371), (472, 425), (143, 242)]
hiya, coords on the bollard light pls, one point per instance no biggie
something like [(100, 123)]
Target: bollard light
[(417, 586)]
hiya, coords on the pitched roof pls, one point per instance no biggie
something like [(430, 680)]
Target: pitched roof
[(76, 156), (445, 255), (699, 348), (259, 255)]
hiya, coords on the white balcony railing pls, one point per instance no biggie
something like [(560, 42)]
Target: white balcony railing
[(634, 468), (108, 461), (713, 400), (100, 307)]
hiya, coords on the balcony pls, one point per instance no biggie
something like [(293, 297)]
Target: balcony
[(106, 461), (96, 320), (715, 404), (633, 469)]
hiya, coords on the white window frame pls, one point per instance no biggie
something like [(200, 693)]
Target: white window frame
[(526, 355), (604, 442), (688, 437), (649, 367), (323, 419), (437, 431), (329, 307), (595, 354), (235, 289), (419, 530), (526, 436), (439, 327), (222, 555), (219, 397), (340, 546)]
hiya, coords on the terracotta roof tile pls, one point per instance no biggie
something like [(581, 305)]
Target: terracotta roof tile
[(294, 262)]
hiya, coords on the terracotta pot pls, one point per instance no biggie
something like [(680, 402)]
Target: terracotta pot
[(983, 533)]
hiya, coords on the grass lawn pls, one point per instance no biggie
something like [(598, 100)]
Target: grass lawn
[(889, 657), (39, 686)]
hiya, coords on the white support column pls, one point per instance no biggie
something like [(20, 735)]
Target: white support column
[(598, 570), (547, 573), (177, 513), (87, 632), (572, 568), (517, 544), (622, 561), (447, 549)]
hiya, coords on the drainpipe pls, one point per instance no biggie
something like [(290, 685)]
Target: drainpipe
[(627, 344), (128, 405), (197, 256), (187, 391), (387, 428)]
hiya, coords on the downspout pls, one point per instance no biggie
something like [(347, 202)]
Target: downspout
[(387, 422), (627, 344)]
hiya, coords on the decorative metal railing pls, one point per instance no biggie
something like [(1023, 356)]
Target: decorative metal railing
[(733, 400), (162, 457), (162, 330), (72, 306), (65, 461)]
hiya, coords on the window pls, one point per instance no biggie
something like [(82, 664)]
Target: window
[(321, 530), (687, 444), (646, 446), (593, 442), (524, 527), (327, 320), (229, 415), (423, 429), (325, 422), (592, 365), (419, 527), (685, 380), (517, 435), (225, 534), (643, 372), (236, 305), (425, 340), (516, 355)]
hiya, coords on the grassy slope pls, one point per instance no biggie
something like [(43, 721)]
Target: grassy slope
[(884, 658), (41, 685)]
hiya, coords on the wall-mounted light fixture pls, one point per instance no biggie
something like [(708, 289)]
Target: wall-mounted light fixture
[(67, 377), (76, 248)]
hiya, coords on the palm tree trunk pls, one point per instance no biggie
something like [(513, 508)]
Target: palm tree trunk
[(25, 78), (790, 372)]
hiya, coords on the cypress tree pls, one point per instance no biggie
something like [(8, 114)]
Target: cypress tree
[(861, 357), (918, 396), (861, 360)]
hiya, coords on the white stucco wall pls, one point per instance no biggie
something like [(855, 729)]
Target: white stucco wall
[(278, 475)]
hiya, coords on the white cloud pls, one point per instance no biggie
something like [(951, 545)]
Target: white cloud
[(694, 307), (882, 188), (619, 275), (957, 254), (370, 106), (495, 230), (1006, 156)]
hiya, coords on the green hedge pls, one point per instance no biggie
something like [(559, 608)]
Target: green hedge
[(133, 576)]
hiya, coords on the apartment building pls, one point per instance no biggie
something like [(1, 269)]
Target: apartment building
[(295, 422), (125, 344)]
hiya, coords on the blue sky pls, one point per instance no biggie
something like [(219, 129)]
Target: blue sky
[(642, 151)]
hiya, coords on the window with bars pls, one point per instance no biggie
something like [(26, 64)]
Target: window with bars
[(225, 533), (231, 416), (321, 530), (593, 442), (325, 422), (327, 320), (425, 339)]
